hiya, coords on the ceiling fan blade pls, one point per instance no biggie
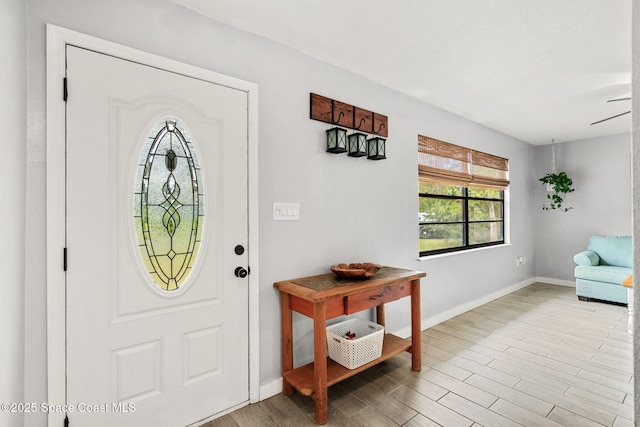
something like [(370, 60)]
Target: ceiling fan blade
[(609, 118), (620, 99)]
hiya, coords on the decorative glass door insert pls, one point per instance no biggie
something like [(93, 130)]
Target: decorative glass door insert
[(169, 205)]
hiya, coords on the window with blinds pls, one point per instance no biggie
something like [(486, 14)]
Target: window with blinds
[(460, 197)]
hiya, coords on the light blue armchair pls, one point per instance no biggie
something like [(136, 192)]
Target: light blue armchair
[(601, 269)]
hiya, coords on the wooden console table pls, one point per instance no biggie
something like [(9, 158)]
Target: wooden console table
[(325, 297)]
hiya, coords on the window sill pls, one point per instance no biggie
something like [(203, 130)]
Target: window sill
[(449, 254)]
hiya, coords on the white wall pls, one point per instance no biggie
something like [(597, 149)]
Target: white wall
[(601, 173), (351, 209), (636, 199), (12, 176)]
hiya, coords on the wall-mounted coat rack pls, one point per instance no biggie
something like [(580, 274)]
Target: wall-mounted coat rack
[(341, 114)]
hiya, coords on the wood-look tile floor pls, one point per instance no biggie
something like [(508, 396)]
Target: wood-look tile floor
[(536, 357)]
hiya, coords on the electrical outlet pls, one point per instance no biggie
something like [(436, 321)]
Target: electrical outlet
[(520, 261)]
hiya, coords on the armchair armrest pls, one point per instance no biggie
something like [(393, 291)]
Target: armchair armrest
[(586, 258)]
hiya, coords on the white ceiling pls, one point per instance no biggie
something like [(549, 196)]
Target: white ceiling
[(534, 69)]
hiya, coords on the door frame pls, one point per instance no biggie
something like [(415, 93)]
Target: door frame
[(57, 39)]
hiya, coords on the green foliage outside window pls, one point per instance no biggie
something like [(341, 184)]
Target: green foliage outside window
[(455, 217)]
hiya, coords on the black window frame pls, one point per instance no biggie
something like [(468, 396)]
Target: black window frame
[(464, 198)]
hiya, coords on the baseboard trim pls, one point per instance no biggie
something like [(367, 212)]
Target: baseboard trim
[(271, 388), (559, 282), (274, 387), (456, 311)]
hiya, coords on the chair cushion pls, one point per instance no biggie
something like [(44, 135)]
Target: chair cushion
[(601, 273), (613, 250)]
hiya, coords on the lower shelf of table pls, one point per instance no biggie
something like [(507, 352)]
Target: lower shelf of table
[(302, 378)]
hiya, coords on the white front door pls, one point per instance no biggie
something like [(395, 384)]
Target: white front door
[(156, 224)]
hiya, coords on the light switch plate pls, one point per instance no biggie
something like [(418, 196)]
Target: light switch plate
[(286, 211)]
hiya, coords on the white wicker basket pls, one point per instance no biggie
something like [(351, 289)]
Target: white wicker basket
[(353, 353)]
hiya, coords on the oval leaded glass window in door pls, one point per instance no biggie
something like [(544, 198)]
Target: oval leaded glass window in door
[(169, 205)]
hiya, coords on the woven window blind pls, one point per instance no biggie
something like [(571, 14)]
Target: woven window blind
[(447, 163)]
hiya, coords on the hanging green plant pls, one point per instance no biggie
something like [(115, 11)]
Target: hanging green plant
[(559, 184)]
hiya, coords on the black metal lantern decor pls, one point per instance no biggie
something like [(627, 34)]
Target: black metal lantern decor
[(336, 140), (376, 149), (357, 144), (360, 123)]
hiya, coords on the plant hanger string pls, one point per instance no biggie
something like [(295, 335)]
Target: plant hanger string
[(553, 156)]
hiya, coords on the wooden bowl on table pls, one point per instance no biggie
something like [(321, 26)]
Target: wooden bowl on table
[(355, 270)]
